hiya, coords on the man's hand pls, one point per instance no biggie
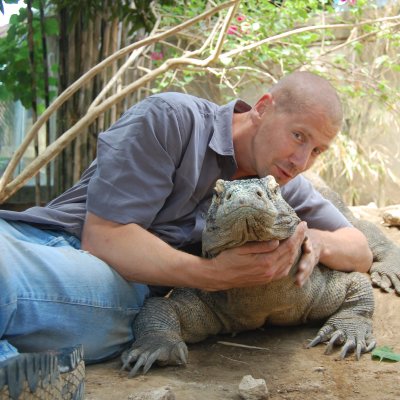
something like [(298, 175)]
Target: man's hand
[(309, 259), (257, 263), (343, 250)]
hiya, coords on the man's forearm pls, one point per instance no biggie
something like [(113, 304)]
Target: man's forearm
[(140, 256), (344, 250)]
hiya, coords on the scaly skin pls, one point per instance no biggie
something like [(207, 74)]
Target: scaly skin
[(243, 211), (385, 270)]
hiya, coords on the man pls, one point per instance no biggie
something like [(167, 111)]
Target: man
[(77, 270)]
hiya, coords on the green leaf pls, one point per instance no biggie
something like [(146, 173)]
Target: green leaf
[(51, 26), (53, 81), (396, 68), (41, 108), (13, 19), (4, 94), (385, 353)]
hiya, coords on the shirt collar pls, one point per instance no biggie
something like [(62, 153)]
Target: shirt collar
[(222, 141)]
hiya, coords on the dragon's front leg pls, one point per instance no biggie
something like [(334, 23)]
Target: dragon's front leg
[(163, 326), (351, 325)]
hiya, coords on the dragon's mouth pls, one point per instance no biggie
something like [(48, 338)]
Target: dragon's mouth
[(245, 211)]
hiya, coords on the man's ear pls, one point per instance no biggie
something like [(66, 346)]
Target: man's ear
[(264, 103)]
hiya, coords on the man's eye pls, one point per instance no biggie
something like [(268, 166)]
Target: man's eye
[(297, 135), (317, 151)]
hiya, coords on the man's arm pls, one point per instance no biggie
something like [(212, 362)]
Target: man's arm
[(345, 249), (333, 241), (137, 255)]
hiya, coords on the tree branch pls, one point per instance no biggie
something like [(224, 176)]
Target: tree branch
[(301, 30)]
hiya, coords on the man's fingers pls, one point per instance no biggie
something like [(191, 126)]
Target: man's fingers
[(301, 230), (271, 245), (258, 247), (305, 267), (303, 273), (306, 246), (294, 242), (262, 262)]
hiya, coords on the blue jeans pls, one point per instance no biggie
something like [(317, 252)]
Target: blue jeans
[(52, 295)]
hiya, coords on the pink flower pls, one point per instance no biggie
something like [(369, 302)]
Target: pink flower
[(156, 55), (232, 30), (240, 18)]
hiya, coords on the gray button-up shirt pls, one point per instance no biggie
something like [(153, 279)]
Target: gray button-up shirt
[(157, 166)]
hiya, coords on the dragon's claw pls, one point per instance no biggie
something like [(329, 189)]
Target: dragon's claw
[(336, 339), (162, 348), (360, 341)]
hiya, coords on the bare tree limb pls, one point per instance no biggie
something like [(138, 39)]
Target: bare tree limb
[(356, 39), (304, 29)]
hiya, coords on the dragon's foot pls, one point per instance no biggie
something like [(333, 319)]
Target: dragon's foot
[(165, 348), (386, 276), (354, 333)]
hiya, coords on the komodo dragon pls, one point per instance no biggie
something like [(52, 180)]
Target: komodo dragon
[(242, 211)]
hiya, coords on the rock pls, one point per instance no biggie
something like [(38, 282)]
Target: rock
[(391, 216), (164, 393), (253, 389)]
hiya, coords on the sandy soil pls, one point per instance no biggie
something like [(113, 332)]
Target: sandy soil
[(290, 370)]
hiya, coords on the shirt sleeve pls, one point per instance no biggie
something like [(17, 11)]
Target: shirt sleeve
[(312, 207), (136, 162)]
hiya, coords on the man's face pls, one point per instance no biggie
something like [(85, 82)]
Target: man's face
[(287, 144)]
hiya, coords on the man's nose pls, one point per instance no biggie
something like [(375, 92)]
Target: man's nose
[(301, 159)]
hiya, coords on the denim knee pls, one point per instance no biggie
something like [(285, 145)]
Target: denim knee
[(8, 298)]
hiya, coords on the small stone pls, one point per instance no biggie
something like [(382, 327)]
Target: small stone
[(392, 217), (164, 393), (253, 389)]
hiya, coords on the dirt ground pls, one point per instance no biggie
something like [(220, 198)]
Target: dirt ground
[(290, 370)]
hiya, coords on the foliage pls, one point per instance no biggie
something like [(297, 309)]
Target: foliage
[(367, 78), (272, 60), (15, 77), (256, 20), (385, 353)]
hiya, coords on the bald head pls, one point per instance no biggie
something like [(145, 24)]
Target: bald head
[(302, 92)]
